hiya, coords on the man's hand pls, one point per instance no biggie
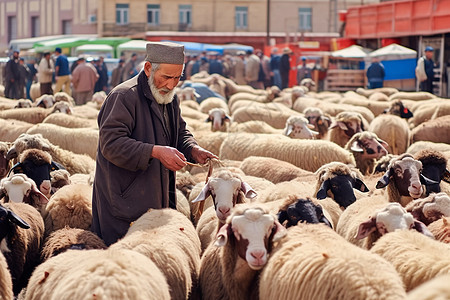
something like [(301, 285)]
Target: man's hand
[(200, 155), (170, 157)]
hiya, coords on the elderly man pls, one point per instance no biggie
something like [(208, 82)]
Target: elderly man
[(143, 141), (425, 70)]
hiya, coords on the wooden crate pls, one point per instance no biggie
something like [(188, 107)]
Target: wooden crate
[(345, 80)]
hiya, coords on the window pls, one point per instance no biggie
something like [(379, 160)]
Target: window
[(122, 14), (185, 14), (304, 17), (35, 26), (12, 28), (153, 11), (66, 27), (241, 17)]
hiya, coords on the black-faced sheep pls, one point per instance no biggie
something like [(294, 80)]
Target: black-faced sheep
[(21, 236), (70, 239), (416, 257), (98, 274), (398, 109), (74, 163), (431, 208), (296, 211), (393, 130), (434, 165), (229, 268), (319, 120), (314, 262), (6, 289), (298, 127), (344, 126), (366, 148)]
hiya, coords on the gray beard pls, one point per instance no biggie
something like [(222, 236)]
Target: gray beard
[(161, 99)]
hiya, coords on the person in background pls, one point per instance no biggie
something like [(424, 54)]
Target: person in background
[(264, 72), (204, 64), (116, 76), (303, 71), (62, 72), (102, 71), (129, 70), (285, 67), (239, 68), (375, 74), (45, 74), (252, 66), (143, 141), (31, 76), (24, 73), (75, 64), (84, 78), (425, 70), (275, 68), (12, 77), (215, 64)]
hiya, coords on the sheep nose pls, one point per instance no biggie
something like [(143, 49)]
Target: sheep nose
[(416, 185), (224, 210), (45, 186), (257, 254)]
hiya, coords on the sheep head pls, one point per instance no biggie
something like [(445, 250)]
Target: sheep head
[(397, 108), (389, 219), (303, 210), (251, 230), (434, 165), (45, 101), (297, 127), (316, 117), (19, 188), (218, 117), (349, 122), (367, 144), (431, 208), (27, 141)]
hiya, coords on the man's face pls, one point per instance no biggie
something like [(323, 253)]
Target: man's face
[(163, 81), (16, 54), (429, 54)]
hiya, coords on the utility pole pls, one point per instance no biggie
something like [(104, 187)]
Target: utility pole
[(268, 24)]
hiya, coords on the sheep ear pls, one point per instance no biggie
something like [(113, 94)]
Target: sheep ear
[(426, 181), (17, 168), (17, 220), (406, 113), (366, 228), (222, 235), (324, 187), (446, 176), (282, 216), (208, 120), (278, 231), (56, 166), (226, 119), (359, 185), (355, 147), (384, 181), (420, 227), (383, 143), (321, 216), (324, 220), (12, 153), (2, 193), (205, 193), (288, 130), (248, 191), (339, 124)]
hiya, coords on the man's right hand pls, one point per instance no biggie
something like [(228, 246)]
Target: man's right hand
[(170, 157)]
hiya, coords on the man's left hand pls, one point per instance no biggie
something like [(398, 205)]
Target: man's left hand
[(200, 155)]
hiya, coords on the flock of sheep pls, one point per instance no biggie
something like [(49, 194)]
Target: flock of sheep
[(317, 195)]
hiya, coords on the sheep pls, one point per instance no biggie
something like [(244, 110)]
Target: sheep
[(187, 93), (23, 103), (271, 169), (107, 274), (70, 206), (233, 88), (19, 188), (253, 127), (416, 96), (337, 180), (378, 96), (276, 119), (67, 238), (218, 119), (6, 289), (429, 110), (20, 240), (70, 121), (436, 288), (183, 204), (434, 165), (191, 104), (376, 107), (211, 141), (86, 111), (45, 101), (169, 239), (35, 115), (300, 210), (229, 268), (441, 230), (314, 262), (288, 99), (319, 120), (431, 208), (305, 154), (185, 182), (385, 90), (76, 140), (366, 220), (403, 179), (344, 126), (98, 98), (382, 163), (11, 129), (266, 97), (6, 104), (398, 109), (189, 112), (416, 257), (434, 131), (298, 127), (213, 102), (366, 148), (58, 179), (394, 130), (35, 91), (74, 163), (5, 164), (421, 145)]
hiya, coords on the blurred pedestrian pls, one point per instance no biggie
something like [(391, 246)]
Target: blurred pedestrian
[(239, 68), (24, 73), (102, 82), (375, 74), (252, 66), (275, 68), (45, 74), (425, 70), (62, 72), (303, 71), (83, 79), (264, 72), (31, 76), (215, 64), (285, 67), (116, 76), (12, 77), (129, 70)]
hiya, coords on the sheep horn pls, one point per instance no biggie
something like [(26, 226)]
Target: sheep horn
[(17, 220), (12, 153), (427, 181), (384, 181), (324, 187)]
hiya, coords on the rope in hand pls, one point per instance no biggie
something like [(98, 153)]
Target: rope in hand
[(210, 162)]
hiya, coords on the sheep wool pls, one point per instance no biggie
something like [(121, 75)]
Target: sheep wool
[(441, 229), (393, 130), (313, 262), (436, 288), (6, 291)]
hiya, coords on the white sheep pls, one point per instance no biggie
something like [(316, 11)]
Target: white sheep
[(6, 289), (436, 288), (11, 129), (23, 103), (20, 240), (35, 115), (211, 141), (416, 96), (169, 239), (219, 119), (98, 98), (421, 145), (213, 102), (385, 90), (429, 111), (276, 119), (19, 188), (393, 130), (187, 93), (416, 257), (298, 127), (441, 230), (434, 131), (74, 163), (35, 91), (319, 120), (103, 274), (45, 101), (70, 121), (376, 107), (229, 268), (344, 126), (253, 127), (305, 154), (314, 262), (87, 111)]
